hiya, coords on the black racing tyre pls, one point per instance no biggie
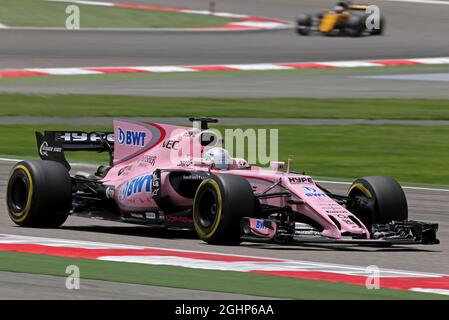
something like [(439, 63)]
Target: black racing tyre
[(381, 200), (39, 194), (304, 24), (220, 203), (355, 26)]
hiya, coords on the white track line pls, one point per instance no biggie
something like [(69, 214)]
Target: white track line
[(257, 66), (63, 71), (10, 160), (431, 60), (350, 64), (164, 69), (436, 291)]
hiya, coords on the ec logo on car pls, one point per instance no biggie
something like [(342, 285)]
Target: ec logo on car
[(312, 192), (131, 138)]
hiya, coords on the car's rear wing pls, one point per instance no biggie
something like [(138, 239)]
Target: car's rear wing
[(52, 144)]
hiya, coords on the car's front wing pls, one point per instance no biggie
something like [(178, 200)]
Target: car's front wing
[(393, 233)]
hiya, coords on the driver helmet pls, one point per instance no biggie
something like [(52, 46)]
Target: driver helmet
[(219, 157)]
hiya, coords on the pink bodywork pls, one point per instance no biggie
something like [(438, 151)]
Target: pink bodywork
[(142, 147)]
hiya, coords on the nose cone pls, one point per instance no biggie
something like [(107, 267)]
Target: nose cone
[(348, 224)]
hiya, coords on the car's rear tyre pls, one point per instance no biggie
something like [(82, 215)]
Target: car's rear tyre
[(39, 194), (380, 199), (304, 24), (355, 26), (220, 203)]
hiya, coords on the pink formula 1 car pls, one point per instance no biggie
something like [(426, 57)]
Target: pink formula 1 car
[(176, 177)]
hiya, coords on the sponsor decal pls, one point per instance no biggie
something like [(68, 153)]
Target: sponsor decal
[(170, 144), (131, 137), (179, 219), (185, 163), (136, 186), (137, 215), (297, 180), (149, 159), (190, 133), (336, 211), (260, 225), (150, 215), (45, 148), (193, 177), (312, 192), (86, 136), (345, 219), (156, 184), (332, 206), (143, 164)]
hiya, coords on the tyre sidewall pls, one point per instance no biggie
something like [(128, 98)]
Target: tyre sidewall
[(20, 215), (206, 233), (390, 199), (49, 193), (236, 200)]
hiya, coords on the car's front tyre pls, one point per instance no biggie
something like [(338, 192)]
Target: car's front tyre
[(220, 203), (377, 199)]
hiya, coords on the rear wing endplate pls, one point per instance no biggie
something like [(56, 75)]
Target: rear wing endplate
[(52, 144)]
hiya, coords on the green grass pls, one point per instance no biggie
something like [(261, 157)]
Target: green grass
[(412, 154), (91, 106), (208, 280), (33, 13)]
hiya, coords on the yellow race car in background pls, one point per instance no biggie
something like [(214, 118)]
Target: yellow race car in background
[(344, 19)]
